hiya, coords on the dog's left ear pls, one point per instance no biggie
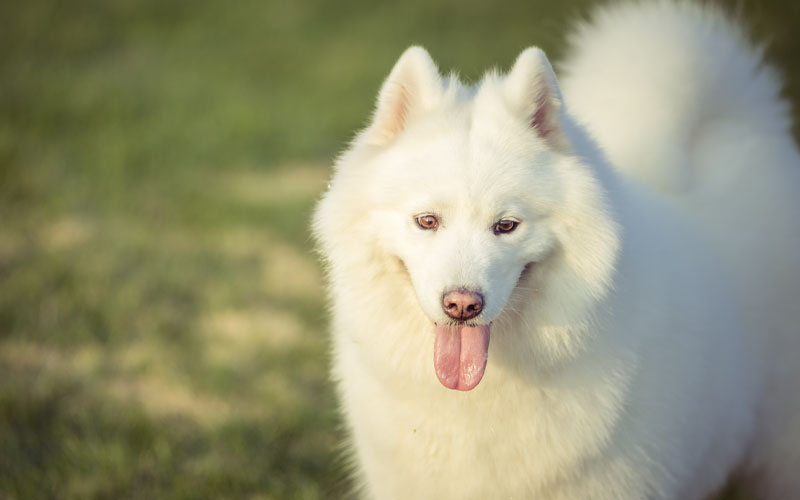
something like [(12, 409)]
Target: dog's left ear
[(413, 87), (532, 89)]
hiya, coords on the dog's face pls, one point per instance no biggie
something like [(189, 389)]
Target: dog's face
[(465, 183), (469, 189), (462, 215)]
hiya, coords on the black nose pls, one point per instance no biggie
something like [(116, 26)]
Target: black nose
[(462, 304)]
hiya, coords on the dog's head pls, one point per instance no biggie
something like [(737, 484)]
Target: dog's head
[(470, 188)]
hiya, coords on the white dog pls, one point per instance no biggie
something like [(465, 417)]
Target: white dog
[(605, 271)]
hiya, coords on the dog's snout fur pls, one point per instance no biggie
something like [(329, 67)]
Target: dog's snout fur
[(462, 304)]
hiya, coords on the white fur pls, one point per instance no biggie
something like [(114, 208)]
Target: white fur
[(644, 319)]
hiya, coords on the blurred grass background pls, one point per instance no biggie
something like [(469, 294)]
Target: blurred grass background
[(162, 320)]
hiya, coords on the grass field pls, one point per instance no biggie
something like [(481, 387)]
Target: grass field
[(162, 319)]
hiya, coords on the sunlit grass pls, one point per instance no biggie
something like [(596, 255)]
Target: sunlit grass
[(141, 357)]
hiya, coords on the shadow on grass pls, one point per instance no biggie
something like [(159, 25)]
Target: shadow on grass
[(59, 440)]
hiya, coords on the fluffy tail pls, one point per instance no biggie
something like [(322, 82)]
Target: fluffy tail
[(655, 81)]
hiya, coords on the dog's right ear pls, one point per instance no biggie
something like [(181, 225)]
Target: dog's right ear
[(413, 87), (532, 88)]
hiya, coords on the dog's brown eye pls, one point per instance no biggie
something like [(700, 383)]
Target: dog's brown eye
[(505, 226), (427, 221)]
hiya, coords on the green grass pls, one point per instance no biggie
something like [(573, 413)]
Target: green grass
[(162, 327)]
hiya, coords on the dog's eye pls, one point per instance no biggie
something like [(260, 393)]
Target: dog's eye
[(427, 221), (505, 226)]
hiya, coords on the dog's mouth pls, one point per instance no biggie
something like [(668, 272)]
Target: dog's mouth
[(461, 349), (460, 352)]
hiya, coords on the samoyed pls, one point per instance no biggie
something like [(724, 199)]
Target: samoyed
[(576, 290)]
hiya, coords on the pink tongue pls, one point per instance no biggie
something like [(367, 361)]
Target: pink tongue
[(459, 355)]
